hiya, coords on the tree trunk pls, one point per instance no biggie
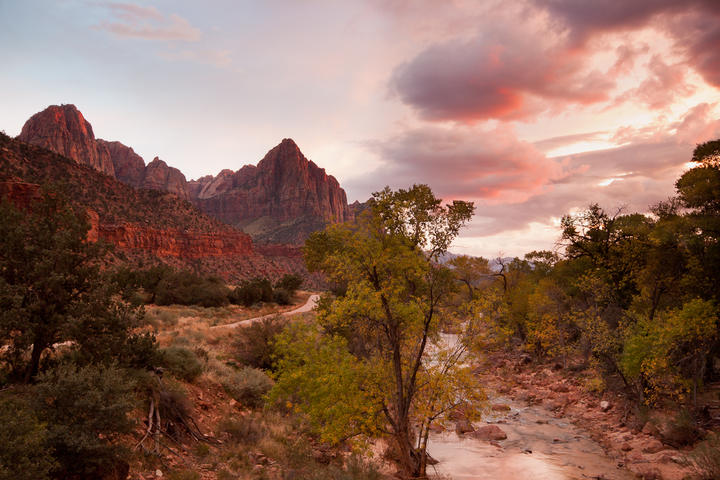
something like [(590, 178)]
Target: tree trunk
[(34, 365)]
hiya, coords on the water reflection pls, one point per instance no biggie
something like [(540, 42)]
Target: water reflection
[(538, 447)]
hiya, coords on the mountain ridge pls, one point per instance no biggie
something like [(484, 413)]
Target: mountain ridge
[(282, 199)]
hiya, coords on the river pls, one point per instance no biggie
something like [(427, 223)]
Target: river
[(538, 447)]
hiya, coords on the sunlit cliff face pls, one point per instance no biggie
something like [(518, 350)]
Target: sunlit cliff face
[(530, 110)]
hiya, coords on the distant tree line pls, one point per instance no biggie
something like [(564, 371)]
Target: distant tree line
[(164, 285)]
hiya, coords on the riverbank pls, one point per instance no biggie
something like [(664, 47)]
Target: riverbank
[(635, 444)]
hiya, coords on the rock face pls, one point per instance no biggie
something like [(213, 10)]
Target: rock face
[(64, 130), (281, 200), (160, 176), (129, 166)]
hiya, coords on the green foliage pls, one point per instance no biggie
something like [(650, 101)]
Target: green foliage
[(187, 288), (253, 291), (320, 378), (254, 345), (182, 362), (248, 386), (85, 410), (24, 450), (290, 282), (669, 355), (369, 367), (51, 288), (282, 296)]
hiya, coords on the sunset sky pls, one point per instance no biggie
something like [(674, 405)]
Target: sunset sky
[(532, 109)]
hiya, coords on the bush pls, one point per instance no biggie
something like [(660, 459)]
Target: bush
[(86, 410), (681, 431), (182, 362), (282, 296), (24, 453), (248, 386), (290, 282), (255, 343), (186, 288), (242, 429), (249, 293)]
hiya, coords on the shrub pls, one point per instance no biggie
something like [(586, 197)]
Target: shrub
[(290, 282), (182, 362), (86, 410), (187, 288), (242, 429), (248, 386), (249, 293), (254, 345), (681, 430), (282, 296), (24, 453)]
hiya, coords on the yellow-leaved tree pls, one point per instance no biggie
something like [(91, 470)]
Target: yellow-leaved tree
[(376, 362)]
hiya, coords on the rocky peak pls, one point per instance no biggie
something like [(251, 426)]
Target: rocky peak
[(129, 166), (160, 176), (63, 129), (282, 199)]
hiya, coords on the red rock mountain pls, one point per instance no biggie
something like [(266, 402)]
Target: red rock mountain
[(64, 130), (144, 225), (281, 200)]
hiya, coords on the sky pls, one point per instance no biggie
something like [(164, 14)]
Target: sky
[(531, 109)]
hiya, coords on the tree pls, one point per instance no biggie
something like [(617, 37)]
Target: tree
[(48, 271), (471, 271), (52, 290), (390, 312)]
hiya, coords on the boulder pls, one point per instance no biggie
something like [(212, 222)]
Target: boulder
[(489, 432)]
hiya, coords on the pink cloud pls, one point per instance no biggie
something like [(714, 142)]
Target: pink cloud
[(498, 74), (148, 23), (463, 163), (693, 24), (663, 86)]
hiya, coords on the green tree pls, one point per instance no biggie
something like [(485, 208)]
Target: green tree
[(24, 450), (48, 273), (86, 410), (52, 290), (390, 313)]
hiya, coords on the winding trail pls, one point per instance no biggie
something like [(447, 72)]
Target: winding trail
[(309, 305)]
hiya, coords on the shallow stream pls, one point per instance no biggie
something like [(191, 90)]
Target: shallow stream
[(538, 447)]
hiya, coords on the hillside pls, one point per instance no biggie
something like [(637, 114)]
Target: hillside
[(281, 200), (144, 225)]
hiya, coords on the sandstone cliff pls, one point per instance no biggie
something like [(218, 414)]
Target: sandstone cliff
[(129, 166), (281, 200), (64, 130)]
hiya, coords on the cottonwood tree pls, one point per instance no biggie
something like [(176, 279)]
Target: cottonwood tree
[(384, 330)]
